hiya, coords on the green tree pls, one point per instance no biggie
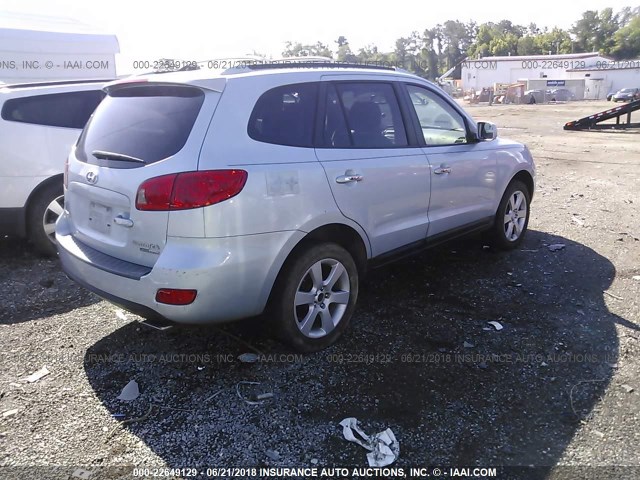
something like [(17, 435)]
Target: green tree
[(500, 38), (342, 40), (454, 40), (401, 53), (556, 41), (609, 25), (627, 40), (584, 31), (446, 45), (344, 53), (371, 54), (429, 53), (528, 46), (297, 49), (626, 15)]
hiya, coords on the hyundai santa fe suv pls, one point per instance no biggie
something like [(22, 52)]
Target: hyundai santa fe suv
[(202, 197)]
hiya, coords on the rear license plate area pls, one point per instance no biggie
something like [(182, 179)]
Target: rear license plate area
[(100, 218)]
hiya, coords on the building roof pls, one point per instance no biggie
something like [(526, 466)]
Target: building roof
[(609, 65), (565, 56), (22, 33)]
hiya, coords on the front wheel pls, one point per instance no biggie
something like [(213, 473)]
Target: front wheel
[(512, 217), (315, 296)]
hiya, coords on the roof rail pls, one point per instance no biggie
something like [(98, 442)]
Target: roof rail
[(316, 64), (52, 83)]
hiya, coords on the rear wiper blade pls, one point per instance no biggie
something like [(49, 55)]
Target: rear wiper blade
[(116, 156)]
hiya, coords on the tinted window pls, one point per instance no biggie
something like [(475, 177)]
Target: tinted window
[(336, 134), (285, 115), (372, 115), (70, 110), (146, 122), (441, 124)]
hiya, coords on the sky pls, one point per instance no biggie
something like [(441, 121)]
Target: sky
[(204, 30)]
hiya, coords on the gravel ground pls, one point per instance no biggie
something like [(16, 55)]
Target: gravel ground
[(556, 388)]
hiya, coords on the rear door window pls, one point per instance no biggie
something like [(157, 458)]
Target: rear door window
[(68, 110), (148, 123), (285, 115), (335, 131), (371, 113)]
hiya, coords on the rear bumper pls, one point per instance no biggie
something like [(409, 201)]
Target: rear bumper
[(232, 275)]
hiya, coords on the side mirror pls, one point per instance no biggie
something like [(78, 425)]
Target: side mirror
[(487, 131)]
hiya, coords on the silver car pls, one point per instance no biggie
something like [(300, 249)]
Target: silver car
[(205, 197), (626, 95)]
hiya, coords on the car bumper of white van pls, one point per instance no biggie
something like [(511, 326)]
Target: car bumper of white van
[(232, 276)]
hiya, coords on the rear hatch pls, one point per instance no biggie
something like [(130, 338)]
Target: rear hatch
[(140, 131)]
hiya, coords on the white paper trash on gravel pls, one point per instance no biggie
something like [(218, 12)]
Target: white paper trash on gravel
[(34, 377), (497, 325), (130, 391), (383, 447)]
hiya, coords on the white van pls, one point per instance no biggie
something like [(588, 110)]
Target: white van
[(39, 123)]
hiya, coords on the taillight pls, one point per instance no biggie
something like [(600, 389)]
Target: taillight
[(182, 191), (65, 175), (175, 296), (155, 193)]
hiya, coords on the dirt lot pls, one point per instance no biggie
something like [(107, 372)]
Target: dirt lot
[(557, 388)]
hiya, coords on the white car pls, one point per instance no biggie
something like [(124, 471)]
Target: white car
[(202, 197), (39, 122)]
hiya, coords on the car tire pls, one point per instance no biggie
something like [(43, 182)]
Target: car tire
[(512, 217), (43, 212), (314, 297)]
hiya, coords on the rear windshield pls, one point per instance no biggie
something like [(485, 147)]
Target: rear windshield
[(149, 123)]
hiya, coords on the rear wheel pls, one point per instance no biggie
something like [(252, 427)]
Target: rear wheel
[(315, 296), (512, 217), (44, 210)]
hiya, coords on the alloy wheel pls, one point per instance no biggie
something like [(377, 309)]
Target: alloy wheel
[(321, 298), (51, 214), (515, 216)]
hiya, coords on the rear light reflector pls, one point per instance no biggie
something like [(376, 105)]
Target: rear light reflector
[(175, 296), (182, 191)]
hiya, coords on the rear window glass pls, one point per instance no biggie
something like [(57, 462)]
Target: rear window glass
[(285, 115), (69, 110), (149, 123)]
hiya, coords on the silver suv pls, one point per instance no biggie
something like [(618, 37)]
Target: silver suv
[(202, 198)]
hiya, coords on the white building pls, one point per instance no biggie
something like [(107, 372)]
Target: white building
[(486, 71), (39, 48), (608, 76)]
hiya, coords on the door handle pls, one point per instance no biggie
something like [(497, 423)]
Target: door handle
[(441, 170), (125, 222), (353, 177)]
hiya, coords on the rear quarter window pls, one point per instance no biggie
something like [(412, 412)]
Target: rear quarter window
[(68, 110), (150, 123), (285, 115)]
